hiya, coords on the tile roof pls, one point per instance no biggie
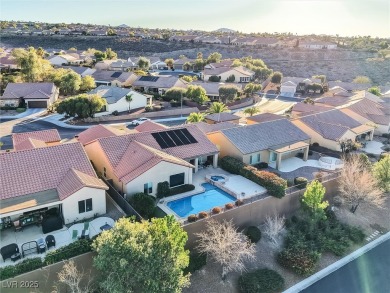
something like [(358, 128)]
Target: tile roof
[(309, 108), (42, 90), (220, 70), (370, 110), (29, 143), (35, 170), (160, 82), (96, 132), (222, 117), (257, 137), (105, 75), (49, 135), (150, 126), (298, 80), (265, 117), (208, 128), (112, 94), (349, 86)]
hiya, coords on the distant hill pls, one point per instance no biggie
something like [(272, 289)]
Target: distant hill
[(225, 30)]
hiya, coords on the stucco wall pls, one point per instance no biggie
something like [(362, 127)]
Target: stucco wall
[(227, 74), (70, 206), (225, 147), (139, 101)]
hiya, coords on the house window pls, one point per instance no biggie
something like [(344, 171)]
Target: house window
[(148, 188), (85, 205), (176, 180), (104, 172), (254, 159)]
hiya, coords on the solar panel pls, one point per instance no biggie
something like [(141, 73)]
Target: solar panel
[(181, 136), (116, 74), (160, 141), (175, 138), (148, 78), (167, 139), (188, 135)]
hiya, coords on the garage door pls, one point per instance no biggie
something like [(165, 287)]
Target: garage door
[(37, 104)]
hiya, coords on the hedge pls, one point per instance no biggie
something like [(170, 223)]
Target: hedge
[(163, 189), (197, 261), (65, 252), (300, 182), (275, 185), (181, 189), (253, 233), (27, 265), (263, 280), (144, 204)]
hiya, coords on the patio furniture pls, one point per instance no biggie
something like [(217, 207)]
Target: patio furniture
[(9, 250), (105, 227), (29, 248), (50, 241), (75, 234), (17, 226), (84, 234), (15, 256), (41, 245)]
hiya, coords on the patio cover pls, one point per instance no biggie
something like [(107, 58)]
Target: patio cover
[(289, 147), (28, 201), (362, 129)]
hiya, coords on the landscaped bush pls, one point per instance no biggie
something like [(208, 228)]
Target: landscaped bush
[(229, 206), (383, 155), (143, 203), (197, 261), (214, 78), (253, 233), (315, 144), (262, 165), (275, 185), (20, 110), (290, 182), (115, 113), (163, 189), (239, 202), (203, 215), (300, 182), (263, 280), (192, 218), (181, 189), (65, 252), (148, 108), (299, 259), (27, 265), (216, 210)]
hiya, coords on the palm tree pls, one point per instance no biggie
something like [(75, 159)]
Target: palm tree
[(129, 98), (218, 107), (195, 117), (252, 111)]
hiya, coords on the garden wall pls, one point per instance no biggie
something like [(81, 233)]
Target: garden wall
[(256, 212), (46, 277)]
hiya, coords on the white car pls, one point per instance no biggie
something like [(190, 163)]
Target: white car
[(139, 121)]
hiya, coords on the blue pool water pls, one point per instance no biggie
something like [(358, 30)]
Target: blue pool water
[(217, 178), (205, 201)]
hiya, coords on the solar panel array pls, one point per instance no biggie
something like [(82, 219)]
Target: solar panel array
[(173, 138), (116, 74), (148, 78)]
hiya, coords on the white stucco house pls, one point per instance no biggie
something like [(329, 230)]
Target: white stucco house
[(317, 45), (240, 73), (288, 88), (116, 99), (59, 60)]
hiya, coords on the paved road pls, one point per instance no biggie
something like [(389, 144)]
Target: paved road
[(369, 273)]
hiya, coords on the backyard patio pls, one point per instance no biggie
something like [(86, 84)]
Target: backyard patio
[(373, 147)]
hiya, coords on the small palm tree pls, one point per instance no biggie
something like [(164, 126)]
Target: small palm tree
[(195, 117), (129, 99), (218, 107), (252, 111)]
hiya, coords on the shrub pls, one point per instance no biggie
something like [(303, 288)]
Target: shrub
[(253, 233), (319, 176), (262, 165), (239, 202), (192, 218), (383, 155), (65, 252), (214, 78), (143, 203), (300, 182), (232, 165), (386, 135), (263, 280), (197, 261), (229, 206), (181, 189), (115, 113), (27, 265), (203, 215), (20, 110), (175, 104), (337, 201), (356, 234), (216, 210), (290, 183), (315, 144), (149, 108), (299, 259), (163, 189)]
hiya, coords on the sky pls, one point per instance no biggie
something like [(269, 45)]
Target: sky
[(342, 17)]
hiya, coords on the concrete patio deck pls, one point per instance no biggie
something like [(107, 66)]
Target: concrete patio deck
[(63, 237), (373, 147), (294, 163)]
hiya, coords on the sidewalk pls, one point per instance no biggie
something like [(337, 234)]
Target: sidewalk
[(28, 113)]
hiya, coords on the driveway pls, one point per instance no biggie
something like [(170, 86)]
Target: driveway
[(29, 112)]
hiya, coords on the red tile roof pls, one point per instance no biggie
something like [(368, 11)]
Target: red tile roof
[(150, 126), (265, 117), (29, 144), (36, 170), (50, 135), (94, 133)]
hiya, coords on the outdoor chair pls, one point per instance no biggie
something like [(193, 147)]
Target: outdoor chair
[(9, 250), (75, 233), (50, 241), (17, 226)]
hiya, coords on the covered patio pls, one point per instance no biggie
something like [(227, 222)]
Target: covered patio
[(204, 161), (281, 152)]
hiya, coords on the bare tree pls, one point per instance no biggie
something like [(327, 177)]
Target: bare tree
[(273, 226), (72, 277), (357, 185), (226, 246)]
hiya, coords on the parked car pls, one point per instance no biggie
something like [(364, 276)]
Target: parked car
[(139, 121)]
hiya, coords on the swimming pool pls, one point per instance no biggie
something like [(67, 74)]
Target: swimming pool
[(205, 201)]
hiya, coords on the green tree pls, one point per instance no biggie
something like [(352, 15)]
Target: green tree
[(320, 77), (70, 83), (111, 54), (214, 58), (41, 52), (251, 88), (215, 78), (111, 32), (382, 173), (33, 67), (143, 63), (276, 77), (231, 78), (199, 55), (82, 106), (195, 117), (228, 93), (169, 62), (361, 79), (313, 200), (175, 93), (143, 257), (217, 107), (100, 56), (375, 91), (187, 66), (187, 78), (140, 73), (197, 94), (198, 64), (236, 63), (383, 45), (87, 83), (129, 99), (251, 111)]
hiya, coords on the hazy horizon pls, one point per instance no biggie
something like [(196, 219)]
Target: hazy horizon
[(331, 17)]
